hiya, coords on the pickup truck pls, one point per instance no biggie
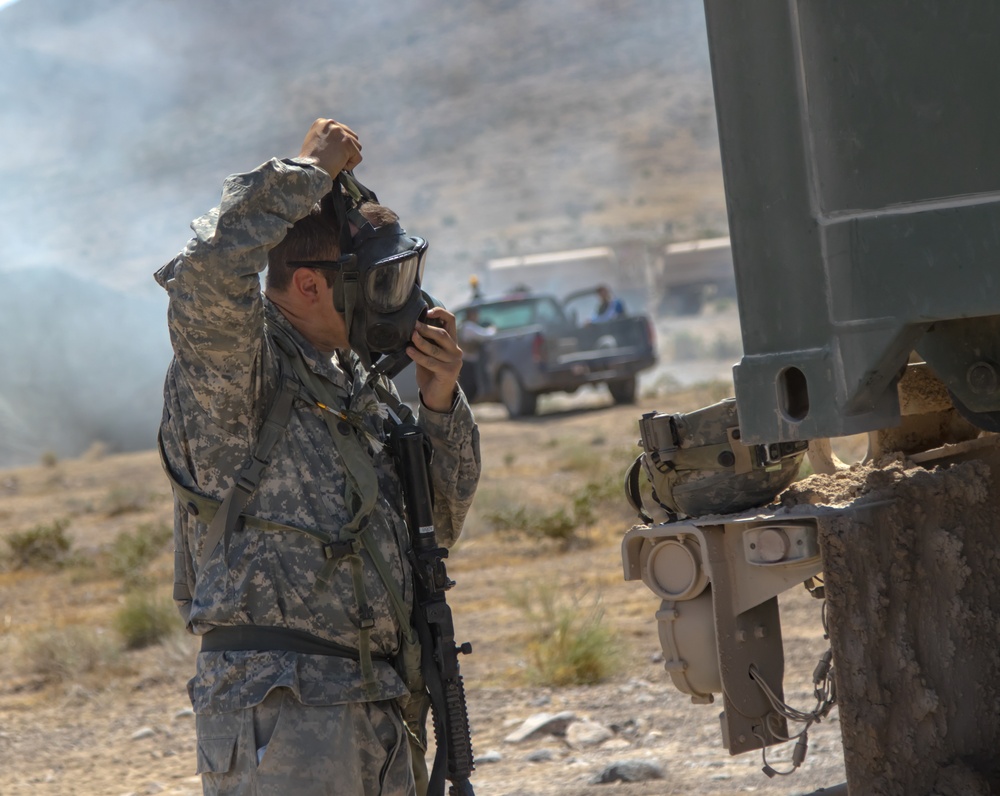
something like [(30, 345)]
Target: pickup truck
[(539, 345)]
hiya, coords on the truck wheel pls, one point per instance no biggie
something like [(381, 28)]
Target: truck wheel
[(518, 401), (623, 390), (988, 421)]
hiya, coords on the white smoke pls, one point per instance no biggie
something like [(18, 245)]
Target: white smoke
[(493, 128)]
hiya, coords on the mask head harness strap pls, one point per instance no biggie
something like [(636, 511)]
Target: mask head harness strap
[(376, 287), (342, 203)]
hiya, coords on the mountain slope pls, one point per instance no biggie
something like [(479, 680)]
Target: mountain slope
[(493, 128)]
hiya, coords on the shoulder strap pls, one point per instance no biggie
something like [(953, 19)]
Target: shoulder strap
[(224, 522), (361, 470), (225, 515)]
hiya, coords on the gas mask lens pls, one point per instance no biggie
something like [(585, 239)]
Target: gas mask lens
[(389, 283)]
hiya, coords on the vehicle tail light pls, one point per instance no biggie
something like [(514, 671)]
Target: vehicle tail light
[(651, 333), (538, 348)]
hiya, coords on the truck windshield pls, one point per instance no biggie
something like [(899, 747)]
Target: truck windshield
[(522, 312)]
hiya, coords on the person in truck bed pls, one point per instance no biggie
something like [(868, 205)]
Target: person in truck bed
[(610, 306)]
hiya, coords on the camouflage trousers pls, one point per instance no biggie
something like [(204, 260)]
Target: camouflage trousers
[(281, 747)]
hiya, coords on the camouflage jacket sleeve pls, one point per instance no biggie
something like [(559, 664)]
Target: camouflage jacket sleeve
[(215, 315), (455, 466)]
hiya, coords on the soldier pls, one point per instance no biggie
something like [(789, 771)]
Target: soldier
[(290, 542)]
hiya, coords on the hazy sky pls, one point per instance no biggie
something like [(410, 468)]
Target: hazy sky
[(166, 104)]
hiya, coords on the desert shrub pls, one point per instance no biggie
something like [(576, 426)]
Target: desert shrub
[(509, 518), (125, 500), (49, 459), (42, 546), (561, 523), (587, 499), (558, 524), (131, 553), (610, 489), (569, 641), (145, 620), (65, 654)]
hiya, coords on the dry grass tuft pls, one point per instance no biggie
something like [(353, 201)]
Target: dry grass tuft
[(146, 620), (68, 654), (44, 546), (125, 500), (569, 642)]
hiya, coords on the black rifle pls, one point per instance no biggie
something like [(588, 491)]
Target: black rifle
[(432, 618)]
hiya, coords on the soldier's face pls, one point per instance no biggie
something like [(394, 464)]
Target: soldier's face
[(331, 331)]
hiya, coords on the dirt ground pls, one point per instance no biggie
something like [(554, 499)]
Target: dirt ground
[(125, 727)]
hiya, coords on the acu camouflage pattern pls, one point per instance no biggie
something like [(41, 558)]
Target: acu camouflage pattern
[(685, 461), (303, 750), (218, 390)]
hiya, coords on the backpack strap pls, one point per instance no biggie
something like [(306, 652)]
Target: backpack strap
[(224, 522), (222, 517)]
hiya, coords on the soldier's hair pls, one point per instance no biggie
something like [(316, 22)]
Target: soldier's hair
[(315, 237)]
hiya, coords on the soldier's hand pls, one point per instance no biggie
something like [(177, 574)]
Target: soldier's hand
[(438, 359), (333, 146)]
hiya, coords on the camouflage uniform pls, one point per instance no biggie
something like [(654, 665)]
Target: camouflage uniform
[(218, 391)]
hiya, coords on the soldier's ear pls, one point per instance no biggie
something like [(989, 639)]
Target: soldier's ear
[(306, 283)]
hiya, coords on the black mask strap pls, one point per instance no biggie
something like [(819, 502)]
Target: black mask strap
[(342, 204), (349, 280), (353, 194)]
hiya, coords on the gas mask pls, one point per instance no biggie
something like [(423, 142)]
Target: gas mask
[(379, 295), (378, 277)]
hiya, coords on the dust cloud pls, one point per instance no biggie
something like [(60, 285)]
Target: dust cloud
[(492, 128)]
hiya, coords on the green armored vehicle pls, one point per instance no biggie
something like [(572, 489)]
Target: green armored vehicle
[(862, 170)]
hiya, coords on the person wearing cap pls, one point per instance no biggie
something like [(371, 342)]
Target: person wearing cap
[(300, 594)]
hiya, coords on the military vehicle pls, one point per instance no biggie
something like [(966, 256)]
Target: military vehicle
[(862, 179)]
